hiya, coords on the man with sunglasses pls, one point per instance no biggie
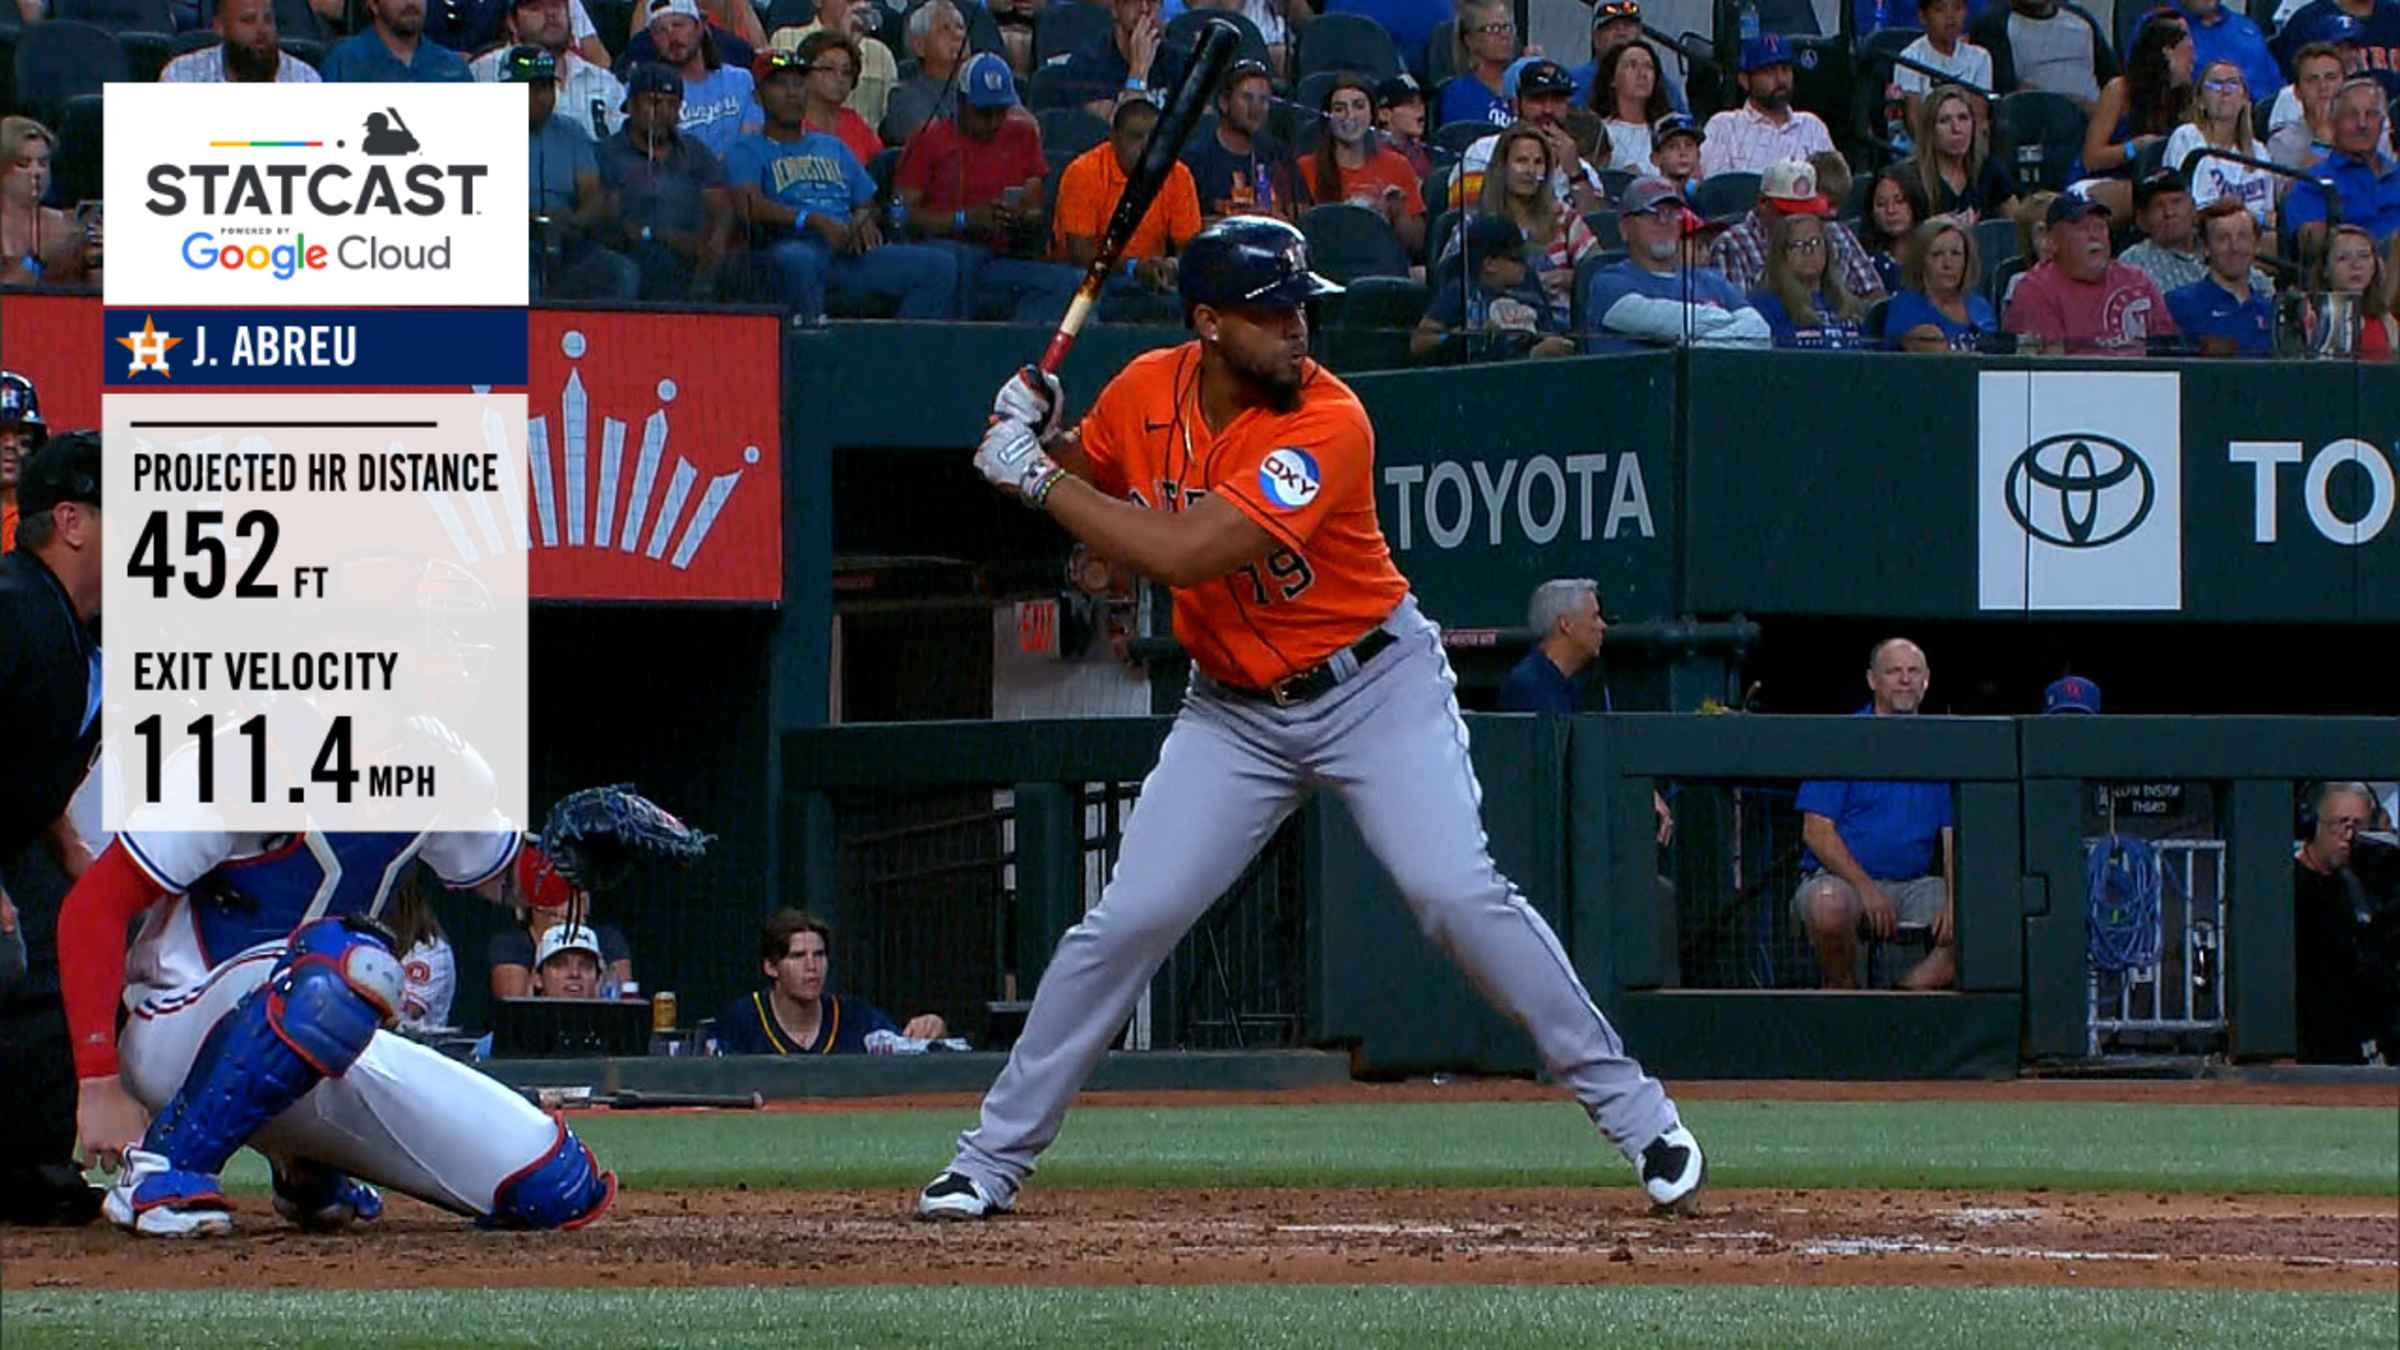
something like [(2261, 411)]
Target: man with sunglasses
[(1615, 23), (1479, 92), (811, 205)]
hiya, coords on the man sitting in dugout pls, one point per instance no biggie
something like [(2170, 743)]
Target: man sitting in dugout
[(794, 1014)]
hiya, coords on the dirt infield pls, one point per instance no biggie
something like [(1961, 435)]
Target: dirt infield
[(1215, 1236)]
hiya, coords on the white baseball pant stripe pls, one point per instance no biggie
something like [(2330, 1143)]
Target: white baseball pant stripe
[(1391, 746), (405, 1116)]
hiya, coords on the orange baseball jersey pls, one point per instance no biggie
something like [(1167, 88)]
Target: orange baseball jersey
[(1307, 477)]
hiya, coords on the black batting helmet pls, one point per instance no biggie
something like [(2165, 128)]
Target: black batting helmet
[(1248, 260), (20, 408)]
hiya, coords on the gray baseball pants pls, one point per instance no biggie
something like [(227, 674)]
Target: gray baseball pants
[(1389, 743)]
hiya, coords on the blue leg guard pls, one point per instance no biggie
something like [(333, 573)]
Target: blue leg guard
[(563, 1188), (310, 1021)]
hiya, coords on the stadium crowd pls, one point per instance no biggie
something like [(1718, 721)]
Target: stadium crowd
[(2002, 175)]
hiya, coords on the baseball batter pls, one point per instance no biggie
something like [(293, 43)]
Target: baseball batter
[(1241, 474), (258, 991)]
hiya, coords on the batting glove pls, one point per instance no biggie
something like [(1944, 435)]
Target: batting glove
[(1033, 397), (1012, 460)]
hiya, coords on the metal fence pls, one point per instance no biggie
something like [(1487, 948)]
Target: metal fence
[(2178, 1003), (929, 920)]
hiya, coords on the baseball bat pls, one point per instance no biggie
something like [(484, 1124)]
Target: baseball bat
[(1218, 42)]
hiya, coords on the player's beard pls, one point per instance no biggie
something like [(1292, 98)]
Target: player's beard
[(1277, 387)]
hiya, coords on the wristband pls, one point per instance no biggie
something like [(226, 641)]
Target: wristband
[(958, 222), (1135, 84), (1039, 494), (1129, 266)]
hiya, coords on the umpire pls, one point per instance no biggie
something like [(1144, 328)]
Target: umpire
[(49, 727)]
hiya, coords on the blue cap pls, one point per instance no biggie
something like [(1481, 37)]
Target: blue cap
[(652, 77), (2342, 28), (2074, 694), (986, 82), (1763, 51)]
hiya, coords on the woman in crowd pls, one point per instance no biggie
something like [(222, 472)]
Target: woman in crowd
[(1895, 207), (1352, 164), (37, 243), (428, 967), (1803, 301), (1955, 168), (1630, 99), (1555, 238), (2138, 109), (2337, 318), (2221, 120), (543, 899), (1939, 308)]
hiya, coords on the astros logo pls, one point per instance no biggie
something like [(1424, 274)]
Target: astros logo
[(1289, 478), (149, 348)]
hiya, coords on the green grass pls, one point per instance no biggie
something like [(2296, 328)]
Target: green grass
[(1230, 1316), (2223, 1149)]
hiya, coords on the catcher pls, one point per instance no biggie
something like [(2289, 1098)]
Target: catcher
[(260, 993)]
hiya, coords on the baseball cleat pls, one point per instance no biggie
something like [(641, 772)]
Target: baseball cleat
[(153, 1199), (1673, 1171), (955, 1195), (324, 1201)]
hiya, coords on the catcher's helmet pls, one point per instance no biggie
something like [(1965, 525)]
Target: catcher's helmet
[(1248, 260), (19, 407)]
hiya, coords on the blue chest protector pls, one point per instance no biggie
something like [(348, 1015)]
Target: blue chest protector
[(262, 899)]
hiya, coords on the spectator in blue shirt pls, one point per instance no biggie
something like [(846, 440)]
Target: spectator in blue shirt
[(1615, 23), (715, 94), (796, 1014), (2225, 313), (1869, 865), (1478, 92), (1652, 296), (1940, 306), (393, 51), (2363, 172), (2219, 34), (1502, 314), (1565, 611), (1803, 301), (804, 190)]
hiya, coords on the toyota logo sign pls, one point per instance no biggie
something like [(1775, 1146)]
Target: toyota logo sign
[(2080, 490)]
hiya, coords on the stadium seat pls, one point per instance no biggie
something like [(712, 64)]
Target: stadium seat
[(1868, 107), (1309, 93), (304, 50), (1073, 130), (1455, 137), (2045, 133), (1297, 127), (612, 18), (1606, 228), (1437, 236), (1996, 243), (146, 53), (1592, 262), (296, 19), (1562, 29), (1441, 55), (778, 15), (880, 169), (193, 41), (1613, 182), (1436, 188), (1999, 278), (1349, 42), (60, 58), (1185, 32), (1067, 27), (1725, 196), (1878, 320), (1346, 241), (1049, 87), (144, 16)]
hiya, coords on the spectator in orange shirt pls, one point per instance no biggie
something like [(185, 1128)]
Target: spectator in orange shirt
[(1354, 165), (1087, 196), (21, 433), (833, 62)]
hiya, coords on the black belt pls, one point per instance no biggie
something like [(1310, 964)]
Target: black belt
[(1307, 684)]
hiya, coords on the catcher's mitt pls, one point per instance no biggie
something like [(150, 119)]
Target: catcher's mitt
[(594, 835)]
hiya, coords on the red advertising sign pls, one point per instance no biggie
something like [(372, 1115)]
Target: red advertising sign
[(654, 441)]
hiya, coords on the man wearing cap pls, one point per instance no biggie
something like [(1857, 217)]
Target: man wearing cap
[(567, 202), (2048, 45), (1615, 23), (1479, 92), (2374, 25), (50, 586), (1789, 188), (2162, 207), (584, 93), (1652, 296), (393, 50), (2230, 311), (1400, 116), (1675, 150), (567, 963), (871, 97), (974, 184), (716, 94), (247, 52), (1238, 169), (1504, 313), (2082, 301), (2361, 167), (803, 189), (1540, 97), (732, 26), (937, 41), (667, 200), (1766, 128), (21, 433)]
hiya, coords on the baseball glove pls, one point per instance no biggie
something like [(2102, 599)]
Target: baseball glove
[(595, 835)]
